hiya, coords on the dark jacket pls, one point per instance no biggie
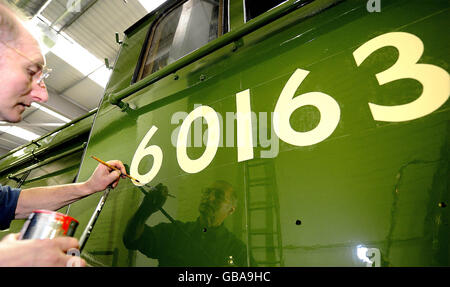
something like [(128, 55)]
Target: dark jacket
[(8, 203)]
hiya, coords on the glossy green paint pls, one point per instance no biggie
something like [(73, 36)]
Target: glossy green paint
[(371, 184), (236, 14), (378, 185), (234, 36)]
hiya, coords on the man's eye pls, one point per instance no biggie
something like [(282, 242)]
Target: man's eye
[(31, 72)]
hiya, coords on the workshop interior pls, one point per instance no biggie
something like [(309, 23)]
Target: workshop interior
[(297, 133)]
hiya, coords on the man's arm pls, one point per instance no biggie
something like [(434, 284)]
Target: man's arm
[(136, 225), (55, 197), (135, 229)]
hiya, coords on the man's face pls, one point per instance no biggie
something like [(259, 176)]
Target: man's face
[(20, 69), (216, 205)]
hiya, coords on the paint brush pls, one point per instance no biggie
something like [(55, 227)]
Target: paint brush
[(127, 175), (114, 168)]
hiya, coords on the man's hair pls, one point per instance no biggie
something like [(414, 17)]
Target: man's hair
[(9, 23), (224, 186)]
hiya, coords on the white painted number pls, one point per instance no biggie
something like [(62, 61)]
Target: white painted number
[(143, 151), (287, 104), (244, 126), (197, 165), (435, 80), (436, 90), (374, 256)]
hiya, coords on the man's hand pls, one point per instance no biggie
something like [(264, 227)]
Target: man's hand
[(103, 176), (155, 199), (37, 252)]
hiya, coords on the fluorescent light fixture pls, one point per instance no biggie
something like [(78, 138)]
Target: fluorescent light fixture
[(42, 32), (26, 134), (19, 132), (50, 112), (101, 76), (81, 59), (72, 53), (75, 55), (151, 5)]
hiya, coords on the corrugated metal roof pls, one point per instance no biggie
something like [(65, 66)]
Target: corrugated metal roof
[(95, 29), (63, 75)]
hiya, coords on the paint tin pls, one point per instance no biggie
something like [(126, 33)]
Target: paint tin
[(42, 224)]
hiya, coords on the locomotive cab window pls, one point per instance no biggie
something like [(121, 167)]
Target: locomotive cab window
[(180, 31), (254, 8)]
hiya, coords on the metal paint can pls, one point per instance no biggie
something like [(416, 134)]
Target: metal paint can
[(42, 224)]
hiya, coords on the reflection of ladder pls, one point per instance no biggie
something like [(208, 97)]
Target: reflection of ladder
[(263, 213)]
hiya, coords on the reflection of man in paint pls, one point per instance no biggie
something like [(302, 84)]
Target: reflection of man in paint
[(205, 242), (261, 126)]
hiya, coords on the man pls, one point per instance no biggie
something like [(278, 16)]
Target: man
[(204, 242), (21, 76)]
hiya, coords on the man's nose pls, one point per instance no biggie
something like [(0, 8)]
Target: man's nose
[(39, 92)]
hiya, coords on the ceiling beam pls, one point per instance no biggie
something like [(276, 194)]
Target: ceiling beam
[(78, 15), (23, 125)]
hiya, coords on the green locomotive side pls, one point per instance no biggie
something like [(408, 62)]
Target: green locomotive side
[(329, 120), (340, 183)]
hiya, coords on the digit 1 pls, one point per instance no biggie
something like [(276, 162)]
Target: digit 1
[(244, 126)]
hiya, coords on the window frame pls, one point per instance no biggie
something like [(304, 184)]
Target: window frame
[(246, 10), (223, 28)]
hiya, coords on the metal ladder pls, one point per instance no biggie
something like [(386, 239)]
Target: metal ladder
[(263, 213)]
